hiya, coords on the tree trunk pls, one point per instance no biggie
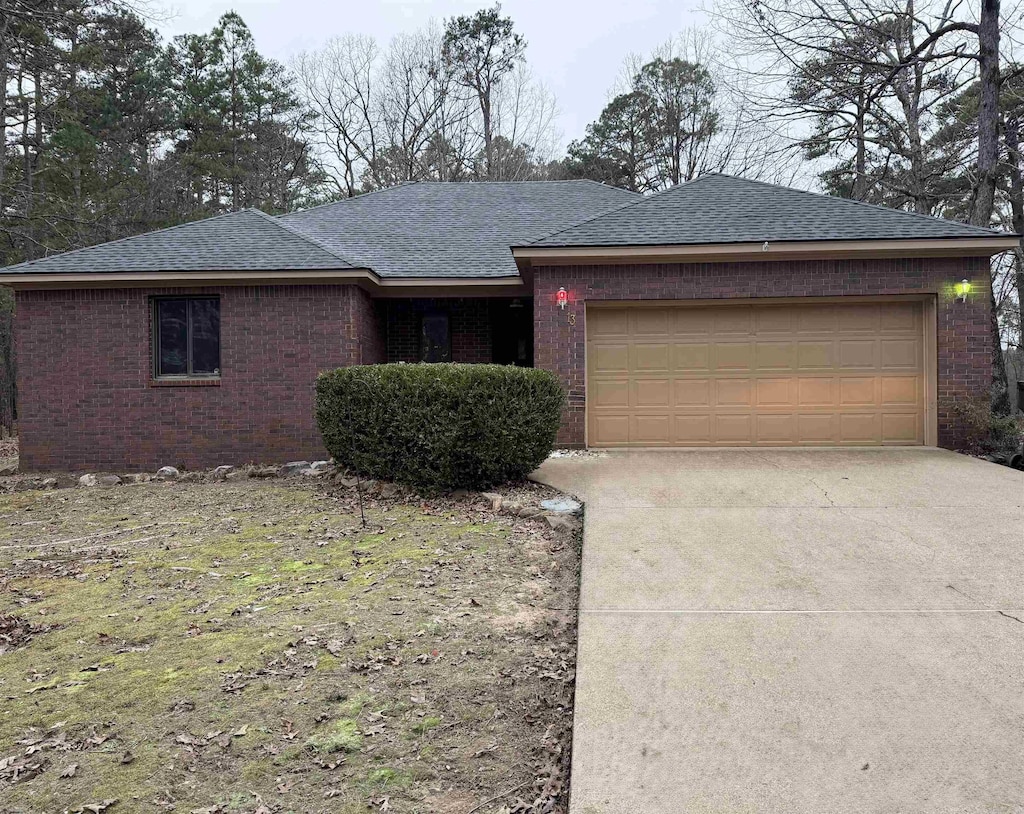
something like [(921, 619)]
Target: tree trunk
[(1016, 171), (988, 160), (485, 112), (860, 178), (988, 113)]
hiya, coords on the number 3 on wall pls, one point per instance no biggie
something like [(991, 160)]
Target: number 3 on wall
[(572, 318)]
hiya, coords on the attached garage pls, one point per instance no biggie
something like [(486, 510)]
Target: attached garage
[(742, 374)]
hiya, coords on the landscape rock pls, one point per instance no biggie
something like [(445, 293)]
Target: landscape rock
[(528, 511), (389, 490), (511, 507), (108, 480), (561, 505), (494, 498), (460, 494), (264, 472), (560, 522), (292, 468), (139, 477), (346, 481), (48, 483), (167, 473), (370, 487), (88, 480), (222, 472), (9, 469), (320, 467)]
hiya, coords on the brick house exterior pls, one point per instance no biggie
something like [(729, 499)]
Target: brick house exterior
[(301, 294), (963, 340), (87, 394)]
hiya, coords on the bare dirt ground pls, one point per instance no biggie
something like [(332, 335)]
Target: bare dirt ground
[(249, 647)]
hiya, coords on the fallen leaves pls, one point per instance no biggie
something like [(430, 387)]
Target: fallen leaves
[(17, 631)]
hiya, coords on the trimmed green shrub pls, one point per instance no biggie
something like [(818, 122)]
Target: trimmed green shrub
[(442, 426)]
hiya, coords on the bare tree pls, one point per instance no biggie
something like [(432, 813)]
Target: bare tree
[(339, 85)]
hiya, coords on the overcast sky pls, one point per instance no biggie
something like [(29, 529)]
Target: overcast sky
[(575, 47)]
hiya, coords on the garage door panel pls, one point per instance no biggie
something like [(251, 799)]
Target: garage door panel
[(780, 319), (649, 356), (860, 428), (817, 428), (609, 358), (692, 392), (775, 355), (897, 353), (816, 354), (652, 393), (857, 319), (695, 322), (610, 393), (733, 429), (692, 430), (821, 319), (903, 317), (653, 430), (745, 375), (738, 321), (608, 323), (651, 322), (775, 392), (857, 390), (732, 392), (691, 356), (901, 428), (611, 429), (816, 392), (901, 390), (776, 428), (732, 356)]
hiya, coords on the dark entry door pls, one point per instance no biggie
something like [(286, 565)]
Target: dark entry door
[(512, 332)]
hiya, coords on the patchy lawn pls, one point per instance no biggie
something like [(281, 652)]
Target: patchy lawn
[(248, 647)]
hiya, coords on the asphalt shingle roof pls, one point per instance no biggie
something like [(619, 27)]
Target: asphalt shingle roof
[(244, 240), (430, 229), (724, 209)]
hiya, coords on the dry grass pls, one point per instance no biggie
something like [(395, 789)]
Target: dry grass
[(248, 647)]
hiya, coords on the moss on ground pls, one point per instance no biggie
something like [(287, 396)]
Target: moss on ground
[(203, 644)]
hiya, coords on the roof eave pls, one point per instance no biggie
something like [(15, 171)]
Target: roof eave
[(363, 277), (981, 246)]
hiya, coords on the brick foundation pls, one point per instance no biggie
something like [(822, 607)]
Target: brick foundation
[(87, 400), (963, 339)]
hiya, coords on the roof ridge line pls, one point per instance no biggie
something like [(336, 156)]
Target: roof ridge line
[(855, 201), (349, 199), (626, 205), (277, 221), (126, 237)]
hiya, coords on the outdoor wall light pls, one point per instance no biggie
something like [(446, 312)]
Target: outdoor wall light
[(962, 289), (562, 298)]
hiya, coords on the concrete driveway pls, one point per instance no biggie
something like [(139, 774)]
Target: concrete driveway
[(798, 631)]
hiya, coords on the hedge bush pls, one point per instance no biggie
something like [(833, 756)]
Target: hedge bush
[(979, 431), (441, 426)]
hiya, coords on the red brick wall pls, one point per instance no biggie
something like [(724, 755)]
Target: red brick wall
[(86, 399), (469, 321), (963, 340)]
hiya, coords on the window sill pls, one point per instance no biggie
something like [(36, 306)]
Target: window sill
[(184, 382)]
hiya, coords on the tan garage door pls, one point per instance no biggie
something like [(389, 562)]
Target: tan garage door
[(755, 374)]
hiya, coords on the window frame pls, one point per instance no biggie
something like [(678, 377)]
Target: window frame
[(154, 314)]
